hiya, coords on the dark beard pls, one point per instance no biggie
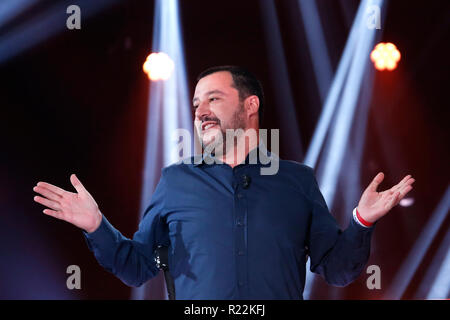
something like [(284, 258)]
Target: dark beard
[(237, 122)]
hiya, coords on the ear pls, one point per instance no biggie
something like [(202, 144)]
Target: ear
[(251, 105)]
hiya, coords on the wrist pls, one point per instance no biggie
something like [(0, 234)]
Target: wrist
[(98, 221), (358, 218)]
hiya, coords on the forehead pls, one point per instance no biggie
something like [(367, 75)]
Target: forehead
[(221, 80)]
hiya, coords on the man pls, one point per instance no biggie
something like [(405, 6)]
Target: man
[(232, 232)]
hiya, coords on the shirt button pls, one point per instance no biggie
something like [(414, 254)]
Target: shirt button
[(239, 195), (241, 253), (239, 223), (240, 283)]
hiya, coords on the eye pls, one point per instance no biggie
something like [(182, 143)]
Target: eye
[(213, 99)]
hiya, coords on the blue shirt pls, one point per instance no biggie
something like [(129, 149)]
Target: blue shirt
[(234, 233)]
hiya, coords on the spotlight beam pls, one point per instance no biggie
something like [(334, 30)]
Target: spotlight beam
[(352, 64), (356, 147), (344, 118), (418, 251), (318, 138), (435, 284), (440, 289), (169, 110), (43, 26), (317, 46), (9, 9), (280, 75)]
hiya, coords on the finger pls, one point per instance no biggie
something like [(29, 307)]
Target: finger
[(376, 182), (409, 182), (405, 184), (406, 178), (392, 201), (52, 188), (55, 214), (48, 203), (77, 183), (47, 193), (401, 183), (405, 190), (403, 193), (386, 193)]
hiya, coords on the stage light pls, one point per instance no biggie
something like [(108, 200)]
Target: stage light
[(158, 66), (406, 202), (385, 56)]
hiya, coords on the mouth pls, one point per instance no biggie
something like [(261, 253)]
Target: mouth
[(208, 125)]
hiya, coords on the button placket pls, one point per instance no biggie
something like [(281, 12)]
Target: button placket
[(240, 235)]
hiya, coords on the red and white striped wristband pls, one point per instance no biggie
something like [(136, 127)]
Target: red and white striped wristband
[(357, 217)]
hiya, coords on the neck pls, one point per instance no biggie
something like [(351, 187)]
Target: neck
[(239, 150)]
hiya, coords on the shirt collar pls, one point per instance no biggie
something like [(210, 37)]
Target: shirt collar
[(264, 158)]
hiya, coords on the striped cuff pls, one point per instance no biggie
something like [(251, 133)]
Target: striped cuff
[(360, 220)]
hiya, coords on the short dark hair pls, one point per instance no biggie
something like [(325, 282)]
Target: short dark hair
[(244, 81)]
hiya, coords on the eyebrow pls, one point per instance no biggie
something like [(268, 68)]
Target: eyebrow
[(210, 92)]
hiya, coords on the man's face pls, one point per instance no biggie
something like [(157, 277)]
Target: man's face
[(217, 108)]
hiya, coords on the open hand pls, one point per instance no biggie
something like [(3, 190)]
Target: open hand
[(79, 208), (374, 205)]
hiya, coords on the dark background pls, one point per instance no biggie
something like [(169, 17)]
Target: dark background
[(77, 103)]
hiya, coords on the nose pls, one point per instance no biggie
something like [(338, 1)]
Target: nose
[(202, 111)]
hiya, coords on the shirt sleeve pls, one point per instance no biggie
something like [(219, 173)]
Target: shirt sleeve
[(132, 260), (338, 256)]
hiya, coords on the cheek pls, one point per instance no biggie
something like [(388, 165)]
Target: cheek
[(197, 125), (219, 113)]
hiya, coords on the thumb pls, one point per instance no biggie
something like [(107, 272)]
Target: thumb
[(77, 183), (376, 182)]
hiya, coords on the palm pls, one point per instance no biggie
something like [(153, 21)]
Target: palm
[(373, 204), (78, 208)]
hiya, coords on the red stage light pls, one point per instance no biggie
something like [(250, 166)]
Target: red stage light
[(385, 56), (158, 66)]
